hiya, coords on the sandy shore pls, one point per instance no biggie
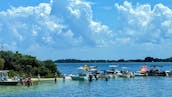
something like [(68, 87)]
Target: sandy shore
[(45, 79), (51, 79)]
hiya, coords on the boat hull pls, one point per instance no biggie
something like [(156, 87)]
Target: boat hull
[(78, 78), (8, 82), (152, 73)]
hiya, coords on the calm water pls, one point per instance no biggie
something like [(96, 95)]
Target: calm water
[(135, 87), (72, 67)]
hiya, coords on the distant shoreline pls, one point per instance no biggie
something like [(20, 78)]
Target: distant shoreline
[(147, 59), (104, 62)]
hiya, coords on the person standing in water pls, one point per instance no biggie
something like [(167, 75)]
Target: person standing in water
[(55, 77), (39, 77)]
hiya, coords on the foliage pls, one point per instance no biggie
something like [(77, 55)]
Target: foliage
[(26, 65), (1, 63)]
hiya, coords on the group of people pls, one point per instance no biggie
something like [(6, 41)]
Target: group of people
[(26, 81)]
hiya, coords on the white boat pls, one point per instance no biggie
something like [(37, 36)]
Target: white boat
[(79, 77), (82, 75), (112, 73), (143, 71), (125, 73), (4, 80), (169, 73)]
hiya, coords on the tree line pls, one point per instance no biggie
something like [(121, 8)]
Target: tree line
[(19, 64), (146, 59)]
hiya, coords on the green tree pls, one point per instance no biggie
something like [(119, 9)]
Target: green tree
[(2, 63), (18, 63)]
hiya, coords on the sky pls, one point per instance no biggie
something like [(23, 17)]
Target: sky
[(87, 29)]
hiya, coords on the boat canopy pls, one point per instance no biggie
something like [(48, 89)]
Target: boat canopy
[(3, 75)]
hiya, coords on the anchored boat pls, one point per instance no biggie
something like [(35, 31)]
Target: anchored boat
[(85, 73), (125, 73), (156, 72), (112, 73), (142, 72), (81, 76), (4, 80)]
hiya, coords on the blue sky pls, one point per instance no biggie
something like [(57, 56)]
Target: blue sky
[(87, 29)]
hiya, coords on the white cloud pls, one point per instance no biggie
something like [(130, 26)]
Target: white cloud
[(28, 25), (68, 25), (75, 12), (78, 17), (145, 24), (55, 25)]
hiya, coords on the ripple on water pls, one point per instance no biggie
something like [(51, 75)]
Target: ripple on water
[(135, 87)]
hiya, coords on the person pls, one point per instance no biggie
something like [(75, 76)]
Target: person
[(143, 69), (90, 77), (86, 67), (55, 77), (29, 81), (63, 76), (21, 81), (106, 79), (38, 77), (95, 75)]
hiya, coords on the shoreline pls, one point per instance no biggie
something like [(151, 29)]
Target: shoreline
[(48, 79), (45, 79)]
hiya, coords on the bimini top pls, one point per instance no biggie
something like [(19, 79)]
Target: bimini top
[(3, 75)]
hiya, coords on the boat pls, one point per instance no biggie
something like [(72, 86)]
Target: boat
[(79, 77), (4, 80), (112, 73), (86, 73), (156, 72), (82, 75), (125, 73), (143, 71), (169, 73)]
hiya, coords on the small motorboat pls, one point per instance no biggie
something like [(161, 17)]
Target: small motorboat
[(125, 73), (83, 74), (169, 73), (143, 71), (112, 73), (79, 77), (4, 80), (156, 72)]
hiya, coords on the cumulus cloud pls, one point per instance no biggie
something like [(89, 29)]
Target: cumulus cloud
[(65, 25), (78, 17), (143, 23), (55, 25), (28, 25)]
